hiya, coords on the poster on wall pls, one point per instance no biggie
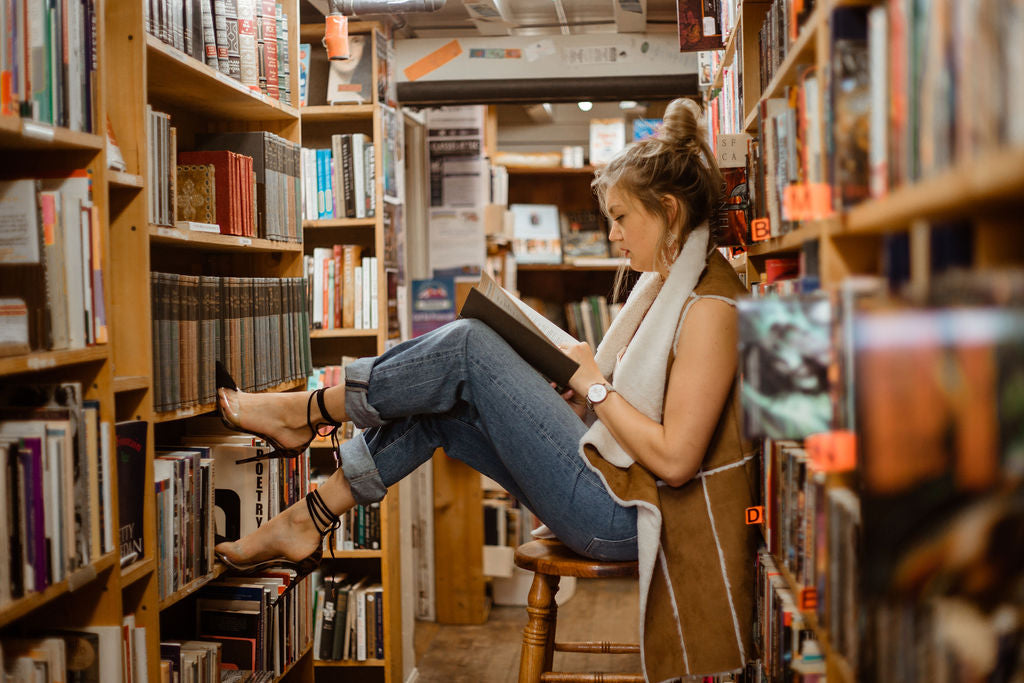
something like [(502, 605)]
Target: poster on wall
[(700, 25)]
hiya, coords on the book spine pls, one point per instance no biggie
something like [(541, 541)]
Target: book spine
[(269, 20), (220, 32), (231, 28), (209, 35), (248, 60)]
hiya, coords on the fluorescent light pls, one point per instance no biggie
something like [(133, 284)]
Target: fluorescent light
[(585, 105), (627, 104)]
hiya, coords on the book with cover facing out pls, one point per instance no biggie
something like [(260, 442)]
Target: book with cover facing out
[(131, 475), (530, 334), (196, 199), (351, 81)]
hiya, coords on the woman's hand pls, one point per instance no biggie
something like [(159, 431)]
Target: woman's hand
[(574, 400), (587, 373)]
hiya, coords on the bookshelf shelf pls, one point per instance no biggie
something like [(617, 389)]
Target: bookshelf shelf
[(22, 606), (792, 241), (608, 264), (119, 180), (137, 571), (18, 133), (130, 383), (802, 52), (340, 663), (210, 407), (342, 333), (959, 191), (176, 78), (353, 554), (305, 651), (191, 588), (48, 360), (839, 669), (208, 241), (730, 51), (329, 113), (550, 170), (370, 222)]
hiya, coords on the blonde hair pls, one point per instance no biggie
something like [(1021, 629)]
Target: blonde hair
[(676, 162)]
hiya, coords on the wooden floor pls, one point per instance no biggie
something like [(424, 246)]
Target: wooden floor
[(603, 609)]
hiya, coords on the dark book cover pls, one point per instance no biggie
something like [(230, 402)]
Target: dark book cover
[(534, 347), (131, 475), (30, 463), (583, 234), (785, 355), (851, 105)]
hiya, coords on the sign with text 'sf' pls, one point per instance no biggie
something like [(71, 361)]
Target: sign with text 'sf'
[(731, 150)]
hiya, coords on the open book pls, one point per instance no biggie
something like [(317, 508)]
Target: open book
[(529, 333)]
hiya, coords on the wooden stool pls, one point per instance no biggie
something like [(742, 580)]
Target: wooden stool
[(550, 561)]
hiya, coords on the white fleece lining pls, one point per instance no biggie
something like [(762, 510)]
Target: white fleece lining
[(723, 468), (675, 607), (725, 575)]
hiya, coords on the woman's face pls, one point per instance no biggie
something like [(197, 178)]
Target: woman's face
[(634, 229)]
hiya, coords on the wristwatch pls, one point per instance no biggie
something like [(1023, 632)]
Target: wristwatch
[(598, 392)]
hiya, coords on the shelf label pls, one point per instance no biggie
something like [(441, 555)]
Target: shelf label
[(731, 150), (760, 230), (755, 515), (808, 599), (244, 241), (42, 363), (38, 131), (832, 451), (807, 202)]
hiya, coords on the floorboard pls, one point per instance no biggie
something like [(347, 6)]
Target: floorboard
[(603, 609)]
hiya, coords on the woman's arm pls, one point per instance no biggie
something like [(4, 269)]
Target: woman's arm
[(702, 374)]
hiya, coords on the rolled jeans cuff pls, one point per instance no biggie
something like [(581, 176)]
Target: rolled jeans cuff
[(361, 472), (357, 382)]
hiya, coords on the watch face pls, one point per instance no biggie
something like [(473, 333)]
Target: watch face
[(597, 393)]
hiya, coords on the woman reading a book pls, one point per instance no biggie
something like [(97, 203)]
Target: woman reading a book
[(641, 458)]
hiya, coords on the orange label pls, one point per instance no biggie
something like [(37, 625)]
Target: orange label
[(832, 451), (760, 230), (433, 61), (808, 599), (820, 199), (807, 202), (755, 515), (48, 205)]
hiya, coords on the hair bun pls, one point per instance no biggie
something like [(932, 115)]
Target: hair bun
[(681, 126)]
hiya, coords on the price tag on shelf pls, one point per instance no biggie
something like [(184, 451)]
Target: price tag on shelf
[(755, 515), (808, 599), (39, 131)]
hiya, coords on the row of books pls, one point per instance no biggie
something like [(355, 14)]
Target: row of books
[(345, 288), (48, 62), (588, 319), (258, 327), (786, 644), (349, 618), (506, 521), (244, 39), (83, 653), (541, 233), (359, 529), (56, 484), (340, 181), (777, 34), (249, 620), (245, 184), (51, 265)]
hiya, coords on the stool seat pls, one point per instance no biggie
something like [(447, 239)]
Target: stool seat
[(549, 561), (552, 558)]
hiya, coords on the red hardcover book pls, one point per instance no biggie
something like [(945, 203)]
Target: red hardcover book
[(269, 20), (225, 188)]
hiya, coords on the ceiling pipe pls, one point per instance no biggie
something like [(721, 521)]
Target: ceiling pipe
[(352, 8)]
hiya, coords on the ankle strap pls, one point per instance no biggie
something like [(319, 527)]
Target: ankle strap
[(323, 519), (323, 408)]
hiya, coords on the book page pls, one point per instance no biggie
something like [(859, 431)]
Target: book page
[(523, 313)]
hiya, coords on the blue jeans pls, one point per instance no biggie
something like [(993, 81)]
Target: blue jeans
[(461, 387)]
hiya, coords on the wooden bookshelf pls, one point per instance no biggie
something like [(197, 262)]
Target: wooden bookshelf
[(78, 579), (19, 133), (131, 383), (730, 53), (348, 663), (173, 76), (306, 651), (195, 411), (319, 122), (209, 241), (610, 264), (51, 360), (192, 587), (551, 170), (329, 223), (120, 180), (838, 668), (337, 113), (137, 571)]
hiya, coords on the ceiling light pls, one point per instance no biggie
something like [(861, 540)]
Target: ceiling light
[(627, 104), (585, 106)]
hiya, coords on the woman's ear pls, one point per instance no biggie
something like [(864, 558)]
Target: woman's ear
[(671, 206)]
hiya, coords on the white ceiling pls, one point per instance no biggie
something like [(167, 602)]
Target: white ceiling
[(530, 17)]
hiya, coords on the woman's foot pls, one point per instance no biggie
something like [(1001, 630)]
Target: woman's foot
[(290, 535), (281, 417)]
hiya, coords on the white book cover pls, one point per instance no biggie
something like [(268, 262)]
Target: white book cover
[(878, 69), (19, 223), (104, 472), (357, 299), (359, 141), (374, 294)]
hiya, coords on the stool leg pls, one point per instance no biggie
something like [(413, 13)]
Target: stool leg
[(539, 634)]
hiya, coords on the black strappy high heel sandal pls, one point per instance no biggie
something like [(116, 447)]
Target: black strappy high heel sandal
[(325, 522), (224, 381)]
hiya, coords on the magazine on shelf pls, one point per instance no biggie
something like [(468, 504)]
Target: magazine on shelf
[(530, 334)]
